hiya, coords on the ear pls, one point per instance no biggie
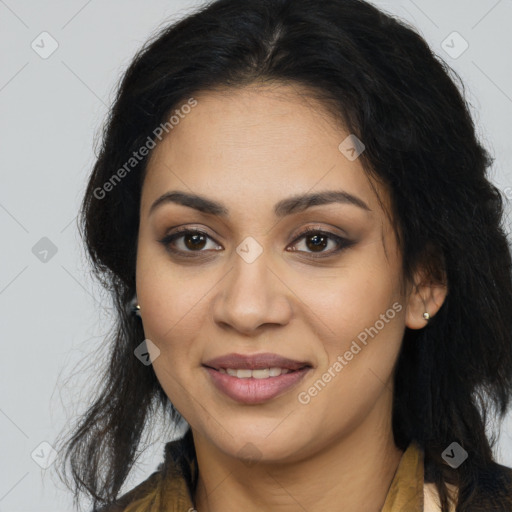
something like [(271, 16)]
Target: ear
[(426, 295)]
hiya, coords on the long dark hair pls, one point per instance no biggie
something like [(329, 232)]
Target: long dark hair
[(408, 107)]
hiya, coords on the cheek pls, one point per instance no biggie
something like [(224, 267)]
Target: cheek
[(353, 300), (171, 298), (171, 311), (358, 371), (365, 332), (363, 317)]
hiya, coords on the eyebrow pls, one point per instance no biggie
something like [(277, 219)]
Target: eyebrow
[(293, 204)]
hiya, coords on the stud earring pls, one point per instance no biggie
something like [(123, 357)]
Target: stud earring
[(426, 316), (134, 307)]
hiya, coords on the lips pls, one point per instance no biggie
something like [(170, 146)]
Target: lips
[(255, 362), (257, 378)]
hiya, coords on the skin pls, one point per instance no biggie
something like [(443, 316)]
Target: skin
[(250, 148)]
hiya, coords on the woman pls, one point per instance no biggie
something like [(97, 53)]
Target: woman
[(292, 212)]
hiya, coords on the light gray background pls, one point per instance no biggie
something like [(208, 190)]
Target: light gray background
[(52, 313)]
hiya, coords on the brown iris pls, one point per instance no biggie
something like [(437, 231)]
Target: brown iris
[(193, 240), (319, 242)]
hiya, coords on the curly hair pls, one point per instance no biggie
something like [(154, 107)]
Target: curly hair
[(384, 83)]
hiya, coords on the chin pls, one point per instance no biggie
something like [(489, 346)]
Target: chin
[(260, 447)]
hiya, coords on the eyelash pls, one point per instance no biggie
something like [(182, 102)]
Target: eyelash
[(343, 243)]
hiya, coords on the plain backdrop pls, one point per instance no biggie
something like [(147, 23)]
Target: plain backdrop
[(53, 315)]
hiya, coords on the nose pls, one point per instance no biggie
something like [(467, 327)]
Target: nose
[(252, 295)]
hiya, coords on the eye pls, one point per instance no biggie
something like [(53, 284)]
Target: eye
[(190, 240), (316, 240)]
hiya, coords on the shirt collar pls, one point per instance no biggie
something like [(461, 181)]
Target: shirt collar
[(406, 490)]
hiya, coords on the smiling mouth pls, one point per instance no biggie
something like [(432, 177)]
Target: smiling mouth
[(255, 378), (255, 386)]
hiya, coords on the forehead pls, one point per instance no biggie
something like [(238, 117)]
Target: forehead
[(252, 145)]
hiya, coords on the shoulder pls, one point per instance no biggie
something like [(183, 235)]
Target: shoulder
[(492, 492), (175, 486)]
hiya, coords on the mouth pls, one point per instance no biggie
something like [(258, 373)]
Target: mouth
[(256, 378)]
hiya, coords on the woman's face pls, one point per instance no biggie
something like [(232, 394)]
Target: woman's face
[(253, 284)]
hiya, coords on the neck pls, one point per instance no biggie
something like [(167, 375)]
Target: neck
[(352, 473)]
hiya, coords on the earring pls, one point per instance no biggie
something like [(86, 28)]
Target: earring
[(134, 307), (426, 316)]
